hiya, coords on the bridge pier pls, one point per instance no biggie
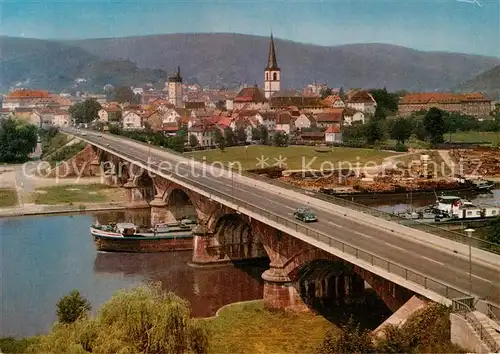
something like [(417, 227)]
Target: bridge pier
[(206, 250), (159, 212), (134, 196), (279, 291)]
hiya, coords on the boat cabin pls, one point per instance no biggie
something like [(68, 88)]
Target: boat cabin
[(126, 228)]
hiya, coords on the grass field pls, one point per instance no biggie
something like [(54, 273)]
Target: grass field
[(8, 197), (292, 157), (249, 328), (68, 194), (472, 137)]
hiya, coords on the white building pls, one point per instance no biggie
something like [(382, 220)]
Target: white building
[(362, 101), (333, 134), (351, 116), (132, 120), (304, 121), (267, 119), (272, 74), (61, 118)]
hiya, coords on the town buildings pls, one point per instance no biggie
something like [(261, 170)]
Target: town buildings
[(474, 104)]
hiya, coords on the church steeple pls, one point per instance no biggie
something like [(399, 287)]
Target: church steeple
[(272, 63), (272, 73)]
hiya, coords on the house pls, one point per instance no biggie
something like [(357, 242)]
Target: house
[(362, 101), (474, 103), (23, 113), (267, 119), (132, 120), (351, 116), (333, 134), (312, 136), (333, 101), (61, 118), (305, 120), (174, 115), (204, 133), (333, 116), (24, 98), (110, 113), (154, 119), (284, 122), (250, 98), (194, 105), (42, 117)]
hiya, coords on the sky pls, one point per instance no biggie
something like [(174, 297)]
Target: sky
[(468, 26)]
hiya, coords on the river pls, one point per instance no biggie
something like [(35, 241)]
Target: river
[(401, 205), (43, 258)]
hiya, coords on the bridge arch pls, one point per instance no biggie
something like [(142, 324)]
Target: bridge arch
[(234, 238), (333, 279)]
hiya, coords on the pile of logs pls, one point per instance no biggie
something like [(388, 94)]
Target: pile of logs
[(481, 161)]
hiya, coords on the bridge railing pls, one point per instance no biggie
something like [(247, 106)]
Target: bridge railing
[(463, 307), (391, 267)]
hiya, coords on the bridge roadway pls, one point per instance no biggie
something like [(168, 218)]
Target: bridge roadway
[(434, 262)]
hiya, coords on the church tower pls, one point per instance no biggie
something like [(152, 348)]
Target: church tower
[(175, 88), (272, 74)]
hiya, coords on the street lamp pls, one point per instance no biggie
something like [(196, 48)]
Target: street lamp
[(469, 232), (149, 151), (232, 177)]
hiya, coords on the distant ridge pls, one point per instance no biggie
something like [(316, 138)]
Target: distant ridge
[(229, 60), (487, 82)]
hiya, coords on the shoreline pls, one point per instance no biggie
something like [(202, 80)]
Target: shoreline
[(35, 209)]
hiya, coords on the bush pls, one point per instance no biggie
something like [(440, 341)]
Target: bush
[(351, 340), (72, 307), (142, 320)]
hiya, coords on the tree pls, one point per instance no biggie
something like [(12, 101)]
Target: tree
[(241, 135), (280, 139), (401, 130), (325, 92), (193, 141), (17, 140), (493, 234), (72, 307), (124, 94), (434, 125), (219, 139), (379, 113), (255, 134), (351, 340), (354, 134), (342, 93), (142, 320), (264, 135), (375, 131), (86, 111), (387, 101), (229, 137)]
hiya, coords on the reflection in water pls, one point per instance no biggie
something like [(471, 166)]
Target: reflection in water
[(207, 289), (45, 257)]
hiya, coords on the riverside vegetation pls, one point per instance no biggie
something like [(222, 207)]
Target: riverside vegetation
[(142, 320)]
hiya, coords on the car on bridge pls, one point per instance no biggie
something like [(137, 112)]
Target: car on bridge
[(305, 215)]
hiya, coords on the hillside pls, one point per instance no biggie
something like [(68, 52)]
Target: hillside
[(55, 66), (232, 59), (487, 82)]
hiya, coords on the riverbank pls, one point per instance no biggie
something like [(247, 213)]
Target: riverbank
[(34, 209), (247, 327)]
